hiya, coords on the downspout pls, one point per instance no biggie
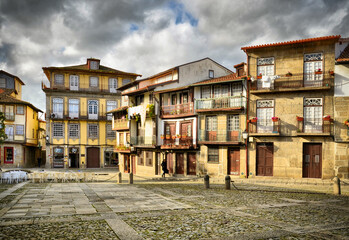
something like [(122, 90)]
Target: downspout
[(247, 109)]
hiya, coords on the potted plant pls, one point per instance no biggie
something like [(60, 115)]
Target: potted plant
[(162, 136), (346, 122), (275, 119), (173, 137), (253, 120), (331, 72), (289, 74), (178, 136), (318, 71), (327, 118), (168, 136), (259, 76), (184, 136), (299, 119)]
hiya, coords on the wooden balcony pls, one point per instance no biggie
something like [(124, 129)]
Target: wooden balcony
[(143, 141), (296, 82), (121, 124), (179, 110), (220, 104), (177, 142), (264, 127), (220, 136), (122, 149), (314, 127)]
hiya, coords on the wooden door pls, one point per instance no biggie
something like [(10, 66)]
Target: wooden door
[(312, 160), (191, 163), (133, 158), (126, 163), (185, 132), (93, 157), (234, 161), (265, 159), (180, 163), (169, 161)]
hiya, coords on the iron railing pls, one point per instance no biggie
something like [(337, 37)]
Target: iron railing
[(146, 141), (175, 141), (313, 125), (265, 126), (185, 108), (220, 135), (220, 103), (82, 115)]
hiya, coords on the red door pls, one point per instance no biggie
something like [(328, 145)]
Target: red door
[(93, 157), (191, 163), (234, 161), (265, 159), (180, 163), (133, 157), (312, 160), (186, 138), (169, 161), (8, 155), (170, 129)]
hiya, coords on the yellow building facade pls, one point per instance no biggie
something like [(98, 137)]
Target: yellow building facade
[(79, 131), (21, 148)]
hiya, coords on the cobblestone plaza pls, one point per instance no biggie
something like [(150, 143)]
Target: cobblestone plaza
[(167, 210)]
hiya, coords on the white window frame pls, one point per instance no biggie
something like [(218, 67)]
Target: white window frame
[(93, 128), (92, 109), (19, 130), (9, 131), (266, 67), (211, 123), (74, 82), (73, 107), (233, 123), (58, 107), (313, 62), (113, 85), (58, 130), (110, 106), (211, 73), (313, 110), (265, 112)]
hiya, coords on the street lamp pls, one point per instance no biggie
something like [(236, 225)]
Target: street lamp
[(47, 140), (245, 135)]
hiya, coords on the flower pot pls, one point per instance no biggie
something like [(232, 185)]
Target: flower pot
[(259, 77), (318, 72), (168, 137), (253, 120), (300, 119), (327, 119), (275, 120), (288, 75), (162, 137), (173, 137)]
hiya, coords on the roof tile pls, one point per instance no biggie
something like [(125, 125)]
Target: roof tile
[(344, 57)]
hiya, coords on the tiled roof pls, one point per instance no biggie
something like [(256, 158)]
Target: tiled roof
[(84, 67), (2, 71), (227, 78), (344, 57), (119, 109), (5, 97), (293, 42)]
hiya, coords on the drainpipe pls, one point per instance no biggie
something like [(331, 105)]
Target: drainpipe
[(247, 109)]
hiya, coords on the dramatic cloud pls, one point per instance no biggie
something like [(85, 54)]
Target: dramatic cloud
[(150, 36)]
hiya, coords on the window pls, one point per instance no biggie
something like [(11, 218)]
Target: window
[(9, 112), (19, 110), (57, 107), (2, 83), (59, 79), (9, 132), (8, 152), (125, 81), (110, 132), (149, 158), (92, 130), (236, 89), (74, 130), (93, 81), (233, 123), (92, 109), (211, 123), (110, 106), (210, 73), (74, 108), (139, 100), (58, 130), (94, 65), (151, 97), (265, 67), (140, 159), (312, 63), (74, 82), (113, 85), (33, 136), (206, 92), (313, 115), (265, 111), (20, 130), (2, 108), (221, 91), (213, 155)]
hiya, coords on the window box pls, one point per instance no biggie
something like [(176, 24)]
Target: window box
[(259, 76), (289, 74), (319, 71), (299, 119), (162, 137), (327, 118), (253, 120), (275, 119), (174, 137)]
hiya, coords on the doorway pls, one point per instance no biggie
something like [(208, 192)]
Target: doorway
[(234, 161), (93, 157), (191, 163), (126, 163), (179, 163), (265, 156), (73, 157), (312, 160)]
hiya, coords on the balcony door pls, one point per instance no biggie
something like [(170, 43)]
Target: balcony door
[(265, 111), (74, 82), (73, 108), (186, 132), (313, 115), (113, 85), (92, 109), (211, 128), (312, 63)]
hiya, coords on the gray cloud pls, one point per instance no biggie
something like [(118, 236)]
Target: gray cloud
[(150, 36)]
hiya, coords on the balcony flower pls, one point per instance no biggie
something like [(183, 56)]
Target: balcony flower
[(299, 119), (253, 120), (318, 71), (173, 137), (162, 136), (259, 76), (275, 119), (327, 118), (168, 136), (178, 136), (289, 74)]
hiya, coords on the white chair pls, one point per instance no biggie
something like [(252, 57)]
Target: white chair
[(7, 177)]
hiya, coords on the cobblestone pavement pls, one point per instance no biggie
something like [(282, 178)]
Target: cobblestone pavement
[(169, 211)]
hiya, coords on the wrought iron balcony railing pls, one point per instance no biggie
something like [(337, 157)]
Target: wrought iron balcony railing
[(176, 141), (220, 136), (146, 141), (178, 109), (82, 115), (313, 125), (220, 103), (265, 126)]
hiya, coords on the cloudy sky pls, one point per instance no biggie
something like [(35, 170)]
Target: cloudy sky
[(149, 36)]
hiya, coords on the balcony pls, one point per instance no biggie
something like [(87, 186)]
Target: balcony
[(105, 89), (176, 142), (141, 110), (220, 136), (143, 141), (9, 116), (296, 82), (264, 127), (313, 127), (220, 104), (78, 116), (122, 149), (178, 110), (121, 124)]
